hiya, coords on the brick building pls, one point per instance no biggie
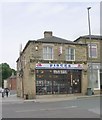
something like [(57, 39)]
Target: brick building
[(11, 82), (52, 65)]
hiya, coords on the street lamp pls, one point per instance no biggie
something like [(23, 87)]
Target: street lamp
[(90, 46)]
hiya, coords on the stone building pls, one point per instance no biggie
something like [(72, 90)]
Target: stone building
[(94, 59), (52, 65)]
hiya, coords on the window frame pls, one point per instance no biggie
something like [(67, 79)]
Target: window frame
[(69, 55), (92, 46), (47, 53)]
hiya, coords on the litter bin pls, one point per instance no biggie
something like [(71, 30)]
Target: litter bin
[(89, 91)]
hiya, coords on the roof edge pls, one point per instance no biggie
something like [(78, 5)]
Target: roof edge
[(98, 37)]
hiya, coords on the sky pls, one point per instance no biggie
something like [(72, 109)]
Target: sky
[(25, 20)]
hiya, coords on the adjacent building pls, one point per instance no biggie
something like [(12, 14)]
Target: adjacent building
[(52, 65), (94, 60), (5, 84), (11, 82)]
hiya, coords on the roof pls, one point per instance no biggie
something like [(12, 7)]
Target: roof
[(12, 77), (54, 39), (97, 37), (51, 39)]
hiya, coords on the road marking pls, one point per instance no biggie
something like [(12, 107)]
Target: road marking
[(47, 109)]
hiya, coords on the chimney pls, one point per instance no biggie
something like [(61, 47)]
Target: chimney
[(47, 34)]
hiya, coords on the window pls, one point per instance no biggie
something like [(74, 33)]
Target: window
[(95, 79), (93, 50), (70, 54), (47, 53), (58, 81)]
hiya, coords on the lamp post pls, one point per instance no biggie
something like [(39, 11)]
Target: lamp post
[(21, 70), (90, 46)]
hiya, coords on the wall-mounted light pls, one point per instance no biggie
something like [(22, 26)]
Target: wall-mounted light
[(36, 48), (72, 62), (84, 63), (49, 61), (31, 71), (85, 72)]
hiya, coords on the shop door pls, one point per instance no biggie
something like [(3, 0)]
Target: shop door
[(76, 81), (69, 83)]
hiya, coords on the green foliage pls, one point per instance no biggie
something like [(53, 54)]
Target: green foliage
[(14, 71), (5, 72)]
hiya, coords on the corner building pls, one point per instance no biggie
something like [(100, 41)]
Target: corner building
[(52, 65)]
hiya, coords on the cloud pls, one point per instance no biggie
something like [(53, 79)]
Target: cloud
[(51, 1), (45, 9)]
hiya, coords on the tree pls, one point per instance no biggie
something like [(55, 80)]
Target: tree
[(14, 71), (5, 72)]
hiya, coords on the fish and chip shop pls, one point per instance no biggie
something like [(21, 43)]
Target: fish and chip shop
[(53, 65), (59, 78)]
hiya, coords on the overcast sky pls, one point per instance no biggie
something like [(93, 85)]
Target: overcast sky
[(23, 21)]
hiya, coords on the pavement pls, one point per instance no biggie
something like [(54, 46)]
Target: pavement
[(43, 98)]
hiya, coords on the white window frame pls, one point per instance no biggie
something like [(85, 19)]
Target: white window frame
[(68, 55), (46, 53), (92, 46)]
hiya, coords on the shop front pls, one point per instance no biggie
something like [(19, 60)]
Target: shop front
[(58, 78)]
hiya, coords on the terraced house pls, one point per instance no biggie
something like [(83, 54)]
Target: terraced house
[(94, 60), (52, 65)]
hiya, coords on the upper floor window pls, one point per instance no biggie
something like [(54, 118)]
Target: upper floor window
[(70, 54), (93, 50), (48, 52)]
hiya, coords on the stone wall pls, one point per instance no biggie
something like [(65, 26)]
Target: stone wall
[(31, 56)]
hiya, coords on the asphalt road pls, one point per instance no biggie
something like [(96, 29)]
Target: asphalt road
[(80, 108)]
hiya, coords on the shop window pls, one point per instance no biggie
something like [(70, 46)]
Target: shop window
[(57, 81), (70, 54), (96, 79)]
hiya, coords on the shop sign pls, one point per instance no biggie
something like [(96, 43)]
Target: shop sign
[(60, 71), (60, 66)]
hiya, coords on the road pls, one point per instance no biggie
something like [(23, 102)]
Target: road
[(80, 108)]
